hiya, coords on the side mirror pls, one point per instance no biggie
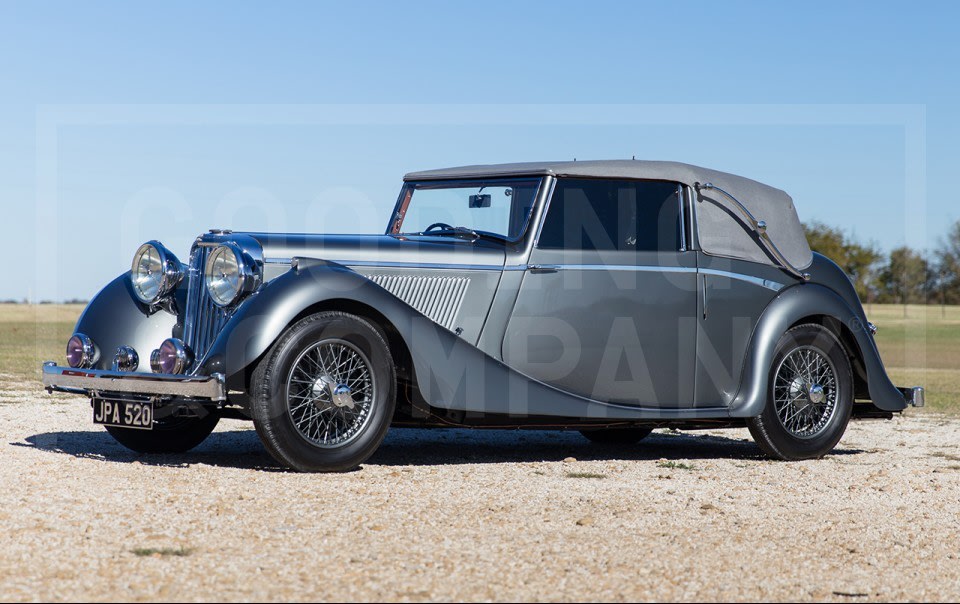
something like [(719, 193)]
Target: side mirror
[(480, 201)]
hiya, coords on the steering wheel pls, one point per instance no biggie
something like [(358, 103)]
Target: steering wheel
[(443, 226)]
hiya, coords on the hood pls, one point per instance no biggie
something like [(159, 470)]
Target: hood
[(372, 250)]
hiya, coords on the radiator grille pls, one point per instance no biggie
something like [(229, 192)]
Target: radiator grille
[(438, 298), (203, 319)]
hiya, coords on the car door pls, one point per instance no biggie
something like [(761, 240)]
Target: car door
[(733, 294), (607, 308)]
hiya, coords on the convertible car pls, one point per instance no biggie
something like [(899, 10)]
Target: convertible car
[(609, 297)]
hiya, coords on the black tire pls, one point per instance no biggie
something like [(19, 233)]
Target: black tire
[(273, 414), (177, 435), (616, 436), (818, 437)]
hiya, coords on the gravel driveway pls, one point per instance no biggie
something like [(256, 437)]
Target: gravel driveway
[(455, 514)]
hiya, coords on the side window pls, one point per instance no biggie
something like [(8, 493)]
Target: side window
[(625, 215)]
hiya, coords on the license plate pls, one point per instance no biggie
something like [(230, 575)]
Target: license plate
[(123, 414)]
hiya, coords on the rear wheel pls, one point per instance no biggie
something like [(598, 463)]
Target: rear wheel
[(170, 435), (323, 397), (616, 436), (810, 396)]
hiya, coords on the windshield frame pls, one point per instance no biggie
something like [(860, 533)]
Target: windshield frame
[(406, 196)]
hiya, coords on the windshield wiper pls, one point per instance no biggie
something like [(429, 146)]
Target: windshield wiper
[(467, 233)]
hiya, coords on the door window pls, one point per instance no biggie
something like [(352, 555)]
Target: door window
[(622, 215)]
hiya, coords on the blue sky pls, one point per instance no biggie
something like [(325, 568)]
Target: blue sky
[(122, 122)]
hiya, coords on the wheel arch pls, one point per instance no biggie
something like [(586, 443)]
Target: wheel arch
[(805, 303), (395, 341), (850, 347)]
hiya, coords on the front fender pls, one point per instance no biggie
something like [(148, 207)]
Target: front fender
[(260, 320), (114, 318), (789, 307)]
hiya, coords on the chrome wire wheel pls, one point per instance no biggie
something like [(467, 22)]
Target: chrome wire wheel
[(330, 393), (805, 392)]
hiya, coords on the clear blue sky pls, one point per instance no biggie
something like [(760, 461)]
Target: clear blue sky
[(108, 109)]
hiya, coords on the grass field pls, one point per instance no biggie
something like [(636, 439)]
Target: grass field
[(920, 345)]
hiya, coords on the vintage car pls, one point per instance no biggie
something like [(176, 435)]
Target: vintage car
[(609, 297)]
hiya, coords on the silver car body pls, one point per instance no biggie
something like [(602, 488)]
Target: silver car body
[(487, 332)]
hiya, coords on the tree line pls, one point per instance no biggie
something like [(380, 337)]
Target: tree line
[(904, 276)]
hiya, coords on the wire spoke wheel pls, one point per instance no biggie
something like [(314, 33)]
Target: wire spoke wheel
[(330, 393), (805, 392)]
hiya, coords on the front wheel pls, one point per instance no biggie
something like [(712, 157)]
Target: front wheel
[(323, 397), (810, 396)]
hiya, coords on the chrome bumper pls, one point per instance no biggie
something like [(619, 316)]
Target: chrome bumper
[(913, 396), (93, 381)]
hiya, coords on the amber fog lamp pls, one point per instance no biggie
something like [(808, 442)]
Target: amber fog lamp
[(81, 352)]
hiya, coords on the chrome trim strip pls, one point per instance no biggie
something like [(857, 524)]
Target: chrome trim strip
[(278, 260), (616, 267), (767, 283), (544, 209), (760, 228), (424, 265), (91, 381), (682, 218), (694, 221)]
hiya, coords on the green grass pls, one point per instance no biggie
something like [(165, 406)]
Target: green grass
[(162, 552), (920, 345), (675, 465), (31, 334)]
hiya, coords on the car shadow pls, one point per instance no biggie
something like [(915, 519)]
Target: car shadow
[(420, 447)]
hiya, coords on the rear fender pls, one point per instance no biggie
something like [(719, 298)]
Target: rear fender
[(789, 307)]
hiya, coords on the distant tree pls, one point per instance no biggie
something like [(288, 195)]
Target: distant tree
[(906, 278), (859, 261), (948, 266)]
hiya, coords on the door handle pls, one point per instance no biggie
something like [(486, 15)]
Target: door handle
[(542, 268), (704, 296)]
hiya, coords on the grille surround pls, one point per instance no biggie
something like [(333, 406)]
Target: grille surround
[(203, 320)]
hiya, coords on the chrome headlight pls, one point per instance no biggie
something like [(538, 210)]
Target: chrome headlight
[(154, 273), (229, 274)]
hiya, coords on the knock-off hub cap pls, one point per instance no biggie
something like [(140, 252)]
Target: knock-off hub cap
[(340, 394), (816, 394)]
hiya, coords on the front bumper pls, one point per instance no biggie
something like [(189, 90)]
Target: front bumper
[(914, 395), (91, 382)]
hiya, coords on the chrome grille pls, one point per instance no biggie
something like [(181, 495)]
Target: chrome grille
[(203, 319), (438, 298)]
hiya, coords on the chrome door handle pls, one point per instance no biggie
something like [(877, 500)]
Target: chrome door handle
[(543, 268)]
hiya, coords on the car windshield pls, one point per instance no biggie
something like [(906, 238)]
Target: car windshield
[(491, 207)]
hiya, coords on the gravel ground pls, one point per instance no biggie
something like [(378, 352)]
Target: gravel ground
[(449, 515)]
